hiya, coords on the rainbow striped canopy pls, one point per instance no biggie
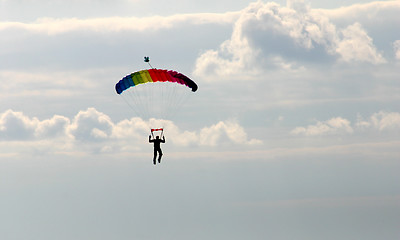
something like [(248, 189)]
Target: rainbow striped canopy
[(154, 75)]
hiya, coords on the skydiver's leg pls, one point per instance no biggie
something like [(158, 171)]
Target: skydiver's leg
[(159, 155), (155, 156)]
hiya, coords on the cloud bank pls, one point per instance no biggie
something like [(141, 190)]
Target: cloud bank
[(93, 128), (381, 121), (55, 26), (92, 131)]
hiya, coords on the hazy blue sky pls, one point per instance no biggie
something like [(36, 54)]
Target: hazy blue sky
[(293, 133)]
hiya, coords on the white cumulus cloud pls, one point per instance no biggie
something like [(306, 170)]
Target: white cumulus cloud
[(333, 126), (295, 33), (53, 127), (91, 125), (356, 45), (232, 131), (381, 121), (17, 126)]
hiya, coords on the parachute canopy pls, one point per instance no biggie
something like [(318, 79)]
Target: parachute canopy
[(154, 75), (156, 93)]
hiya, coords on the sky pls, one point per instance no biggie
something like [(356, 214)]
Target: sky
[(292, 134)]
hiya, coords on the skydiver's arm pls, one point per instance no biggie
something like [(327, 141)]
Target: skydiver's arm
[(150, 139), (163, 140)]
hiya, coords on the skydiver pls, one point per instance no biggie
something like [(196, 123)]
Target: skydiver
[(157, 142)]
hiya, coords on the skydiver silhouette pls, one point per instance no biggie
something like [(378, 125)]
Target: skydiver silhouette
[(157, 149)]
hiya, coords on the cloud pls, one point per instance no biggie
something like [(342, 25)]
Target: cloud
[(15, 126), (396, 47), (224, 132), (356, 45), (55, 26), (132, 128), (333, 126), (50, 83), (91, 125), (365, 12), (54, 127), (381, 121), (267, 35), (232, 131)]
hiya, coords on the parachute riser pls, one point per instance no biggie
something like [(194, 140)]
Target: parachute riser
[(156, 130)]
